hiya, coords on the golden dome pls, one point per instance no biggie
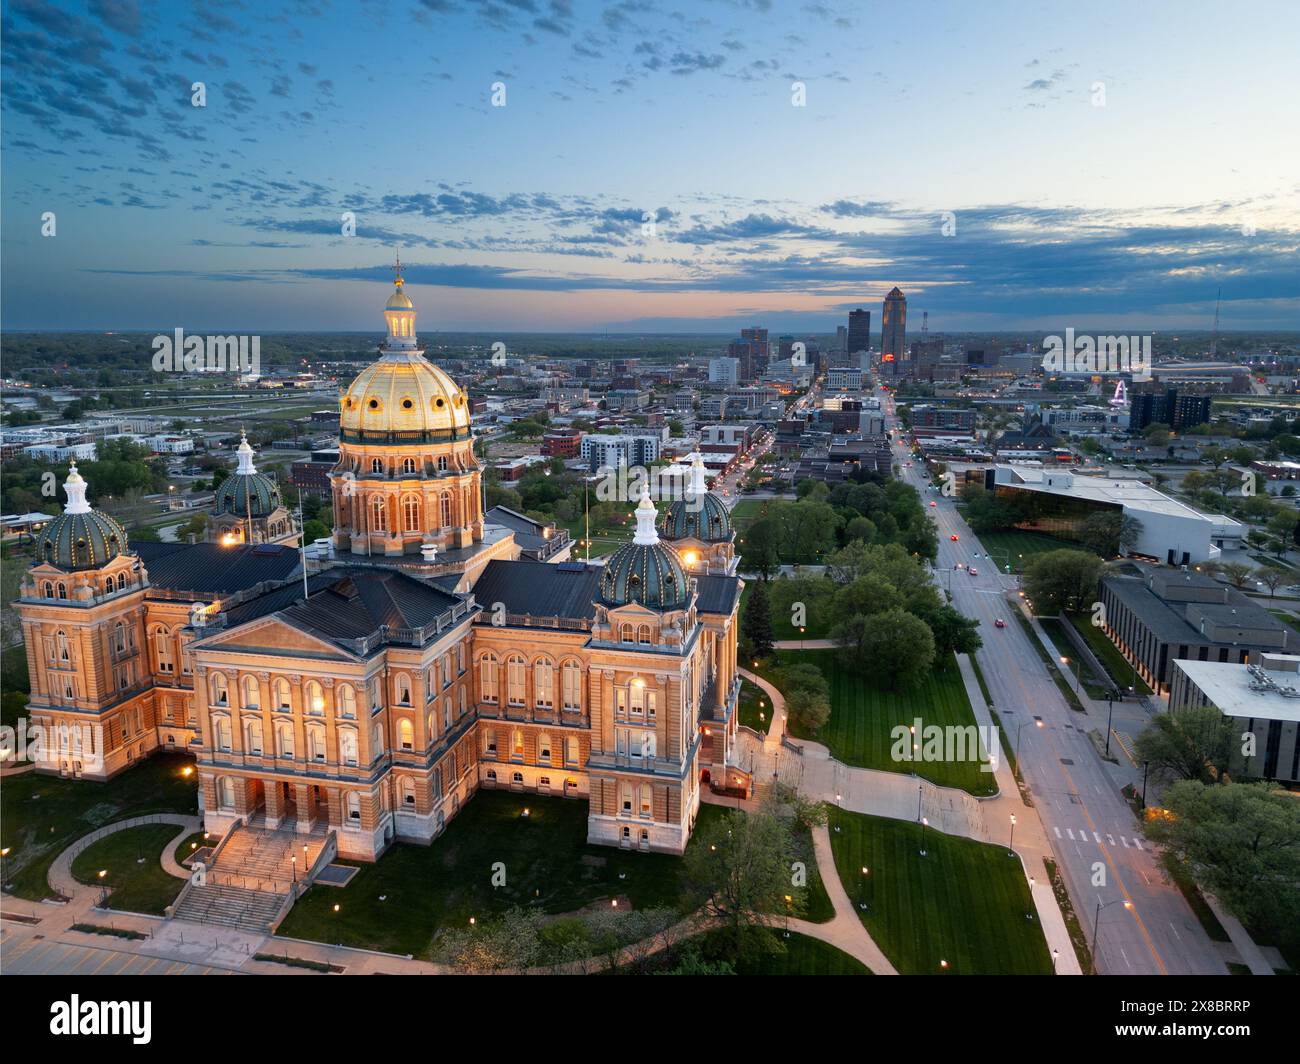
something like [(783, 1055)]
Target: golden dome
[(399, 300), (403, 392)]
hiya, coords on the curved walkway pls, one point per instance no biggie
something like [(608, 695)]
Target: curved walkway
[(60, 875)]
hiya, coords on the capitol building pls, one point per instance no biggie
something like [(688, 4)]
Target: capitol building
[(440, 647)]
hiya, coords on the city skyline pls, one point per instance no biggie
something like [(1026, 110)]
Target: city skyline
[(649, 171)]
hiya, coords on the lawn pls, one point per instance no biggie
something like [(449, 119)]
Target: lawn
[(747, 511), (863, 715), (548, 865), (817, 626), (964, 902), (799, 955), (1056, 632), (1108, 654), (45, 814), (134, 886), (1018, 548), (751, 695)]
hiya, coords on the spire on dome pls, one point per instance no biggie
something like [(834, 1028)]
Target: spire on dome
[(245, 453), (698, 486), (646, 533), (75, 487), (397, 269)]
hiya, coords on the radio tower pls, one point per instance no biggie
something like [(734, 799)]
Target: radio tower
[(1214, 339)]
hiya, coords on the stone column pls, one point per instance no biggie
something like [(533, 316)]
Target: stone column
[(274, 803), (302, 796)]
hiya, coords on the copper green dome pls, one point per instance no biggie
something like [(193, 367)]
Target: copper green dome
[(79, 538), (246, 492), (699, 515), (644, 570)]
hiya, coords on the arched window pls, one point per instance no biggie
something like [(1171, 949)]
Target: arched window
[(226, 792), (411, 513), (446, 670), (47, 590), (253, 737), (119, 637), (222, 727), (108, 586), (377, 740), (283, 694), (571, 675), (488, 678), (284, 739), (460, 702), (376, 465), (348, 747), (121, 581), (446, 714), (315, 697), (402, 689), (316, 741), (544, 683), (162, 649), (544, 749), (648, 745), (517, 743), (378, 514), (646, 807), (408, 791), (442, 463), (406, 734), (347, 697), (408, 465), (515, 680), (446, 510), (643, 635), (61, 652), (354, 806), (625, 634), (220, 690), (63, 590), (250, 690)]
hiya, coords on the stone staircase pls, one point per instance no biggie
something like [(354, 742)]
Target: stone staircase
[(255, 877), (246, 910)]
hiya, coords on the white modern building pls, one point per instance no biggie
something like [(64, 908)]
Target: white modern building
[(724, 370), (1171, 531), (1262, 697), (608, 451)]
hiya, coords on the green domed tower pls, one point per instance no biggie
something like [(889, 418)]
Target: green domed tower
[(247, 507), (645, 571), (79, 538), (698, 526)]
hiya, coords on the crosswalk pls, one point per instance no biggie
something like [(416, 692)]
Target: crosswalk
[(1098, 836)]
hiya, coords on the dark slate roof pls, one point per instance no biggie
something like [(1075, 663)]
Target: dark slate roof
[(646, 573), (717, 593), (528, 533), (355, 602), (541, 589), (80, 541), (1168, 620), (211, 568)]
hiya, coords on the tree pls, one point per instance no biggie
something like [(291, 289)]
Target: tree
[(1157, 434), (740, 862), (1241, 842), (762, 547), (953, 631), (813, 592), (1236, 573), (808, 710), (1062, 580), (985, 512), (756, 624), (1282, 525), (1192, 744), (1270, 578), (1101, 531), (893, 647), (510, 942)]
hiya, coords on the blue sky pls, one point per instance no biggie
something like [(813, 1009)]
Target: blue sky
[(1107, 164)]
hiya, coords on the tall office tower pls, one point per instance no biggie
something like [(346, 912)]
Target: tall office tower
[(893, 334), (859, 335), (743, 352), (842, 338), (759, 353)]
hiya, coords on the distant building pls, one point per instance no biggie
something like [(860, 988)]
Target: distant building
[(942, 421), (893, 333), (1178, 411), (314, 474), (562, 444), (858, 335), (606, 451), (842, 332), (760, 354), (724, 370), (844, 378), (1263, 699)]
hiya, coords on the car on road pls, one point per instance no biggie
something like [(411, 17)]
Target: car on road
[(933, 503), (953, 537), (999, 623), (972, 570)]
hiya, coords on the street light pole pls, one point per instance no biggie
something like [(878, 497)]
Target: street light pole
[(1096, 921), (1011, 842), (1144, 784), (1110, 711)]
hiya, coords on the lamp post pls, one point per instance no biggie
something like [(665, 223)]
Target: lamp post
[(1066, 662), (103, 887), (1110, 712), (1144, 785), (866, 879), (1096, 920), (1055, 954), (1011, 841), (1019, 729)]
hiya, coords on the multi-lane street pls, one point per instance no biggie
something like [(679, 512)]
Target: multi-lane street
[(1094, 834)]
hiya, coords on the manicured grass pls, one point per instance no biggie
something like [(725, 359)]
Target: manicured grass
[(192, 845), (1108, 654), (1065, 649), (750, 697), (45, 814), (817, 626), (964, 902), (1019, 548), (863, 716), (798, 955), (747, 511), (548, 866), (134, 886)]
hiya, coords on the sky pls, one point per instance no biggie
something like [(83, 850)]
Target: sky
[(676, 167)]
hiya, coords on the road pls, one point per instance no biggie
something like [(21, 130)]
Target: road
[(1093, 833)]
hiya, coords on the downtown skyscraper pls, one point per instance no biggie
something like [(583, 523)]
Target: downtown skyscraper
[(859, 338), (893, 333)]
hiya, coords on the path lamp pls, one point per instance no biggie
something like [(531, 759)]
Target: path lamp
[(866, 881), (1011, 850), (1019, 729), (103, 888), (1096, 919), (924, 824), (293, 863), (1144, 785), (1055, 954)]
